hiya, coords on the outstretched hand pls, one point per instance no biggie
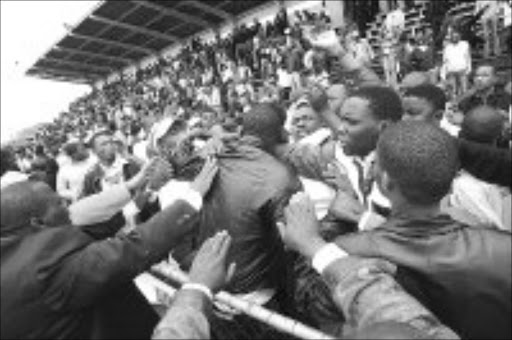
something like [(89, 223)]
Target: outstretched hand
[(204, 180), (301, 232), (209, 267)]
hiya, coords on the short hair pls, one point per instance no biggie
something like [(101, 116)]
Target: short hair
[(421, 158), (70, 149), (429, 92), (99, 134), (20, 202), (483, 124), (265, 121), (385, 102)]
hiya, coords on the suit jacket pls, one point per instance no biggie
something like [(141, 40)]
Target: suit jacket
[(462, 274), (76, 282)]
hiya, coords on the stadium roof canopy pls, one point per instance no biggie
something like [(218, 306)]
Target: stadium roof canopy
[(117, 34)]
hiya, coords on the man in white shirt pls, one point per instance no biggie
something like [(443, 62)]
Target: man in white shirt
[(70, 178)]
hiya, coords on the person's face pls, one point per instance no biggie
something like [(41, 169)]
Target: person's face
[(484, 77), (455, 36), (209, 119), (177, 148), (305, 122), (358, 131), (419, 109), (336, 95), (105, 148)]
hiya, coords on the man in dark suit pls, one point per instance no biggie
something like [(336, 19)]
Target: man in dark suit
[(63, 281)]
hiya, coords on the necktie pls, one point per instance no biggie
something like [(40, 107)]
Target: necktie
[(365, 180)]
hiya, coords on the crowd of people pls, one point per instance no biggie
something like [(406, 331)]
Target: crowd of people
[(275, 164)]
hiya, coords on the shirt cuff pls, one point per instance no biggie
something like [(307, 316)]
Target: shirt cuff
[(326, 256), (198, 287)]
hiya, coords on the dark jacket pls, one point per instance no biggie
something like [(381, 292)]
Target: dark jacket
[(63, 282), (462, 274), (486, 162), (92, 181), (247, 198)]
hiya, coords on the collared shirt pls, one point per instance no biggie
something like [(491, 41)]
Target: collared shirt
[(373, 198)]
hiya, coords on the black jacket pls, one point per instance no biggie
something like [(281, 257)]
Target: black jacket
[(462, 274), (63, 282), (246, 199)]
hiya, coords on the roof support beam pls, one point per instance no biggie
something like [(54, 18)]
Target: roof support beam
[(173, 13), (66, 73), (80, 64), (65, 79), (210, 9), (126, 46), (138, 29), (125, 61)]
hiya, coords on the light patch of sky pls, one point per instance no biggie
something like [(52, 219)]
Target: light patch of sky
[(28, 30)]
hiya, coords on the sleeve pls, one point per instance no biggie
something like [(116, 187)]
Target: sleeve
[(307, 160), (101, 266), (186, 318), (364, 289), (99, 207)]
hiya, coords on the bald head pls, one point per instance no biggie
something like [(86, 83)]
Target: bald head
[(483, 124), (25, 201)]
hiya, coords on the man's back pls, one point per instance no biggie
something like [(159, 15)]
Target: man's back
[(462, 274), (247, 198)]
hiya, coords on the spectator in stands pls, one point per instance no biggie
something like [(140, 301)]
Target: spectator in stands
[(506, 32), (111, 169), (70, 178), (359, 47), (456, 62), (486, 91), (79, 280), (489, 22), (389, 57), (395, 20)]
